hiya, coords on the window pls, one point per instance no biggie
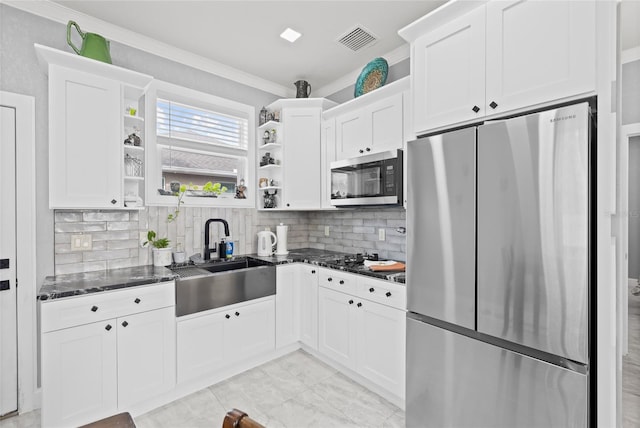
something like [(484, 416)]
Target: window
[(198, 138)]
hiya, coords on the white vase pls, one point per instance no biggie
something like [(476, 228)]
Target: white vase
[(161, 256), (179, 257)]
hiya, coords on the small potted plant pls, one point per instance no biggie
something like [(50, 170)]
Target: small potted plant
[(161, 250), (214, 189)]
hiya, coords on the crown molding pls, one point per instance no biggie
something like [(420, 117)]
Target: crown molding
[(61, 14), (393, 57)]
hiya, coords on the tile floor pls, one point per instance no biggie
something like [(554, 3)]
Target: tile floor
[(293, 391)]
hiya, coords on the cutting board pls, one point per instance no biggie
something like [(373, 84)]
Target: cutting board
[(385, 266)]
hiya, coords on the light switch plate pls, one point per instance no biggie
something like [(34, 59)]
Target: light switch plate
[(381, 235), (81, 242), (326, 231)]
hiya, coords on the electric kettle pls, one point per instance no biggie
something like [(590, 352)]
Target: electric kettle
[(266, 241)]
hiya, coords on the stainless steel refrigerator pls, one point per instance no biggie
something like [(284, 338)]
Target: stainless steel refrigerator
[(498, 288)]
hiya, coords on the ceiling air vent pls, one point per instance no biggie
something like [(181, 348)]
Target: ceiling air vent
[(357, 38)]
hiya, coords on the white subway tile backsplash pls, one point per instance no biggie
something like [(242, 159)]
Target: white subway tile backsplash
[(66, 258), (79, 227), (115, 234), (122, 244), (122, 225), (111, 236), (66, 216), (92, 256), (105, 216), (80, 267)]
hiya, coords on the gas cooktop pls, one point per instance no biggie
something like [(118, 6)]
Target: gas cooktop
[(352, 260)]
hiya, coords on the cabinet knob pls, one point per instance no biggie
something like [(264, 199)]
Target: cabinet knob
[(371, 290), (329, 279), (313, 271), (388, 294), (227, 316), (288, 205), (124, 323), (108, 327), (341, 282), (493, 104), (368, 149), (137, 300), (475, 109), (351, 302), (113, 201), (359, 304), (361, 151), (94, 308), (237, 314)]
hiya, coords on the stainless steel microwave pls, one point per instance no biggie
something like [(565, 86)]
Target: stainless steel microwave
[(374, 179)]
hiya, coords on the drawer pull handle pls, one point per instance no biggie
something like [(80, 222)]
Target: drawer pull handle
[(94, 308), (475, 109), (371, 290), (227, 316), (493, 104), (124, 323), (108, 327), (359, 304), (313, 271), (237, 314), (137, 300), (329, 279), (341, 282), (388, 294)]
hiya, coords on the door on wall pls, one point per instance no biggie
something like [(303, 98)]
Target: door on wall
[(8, 301)]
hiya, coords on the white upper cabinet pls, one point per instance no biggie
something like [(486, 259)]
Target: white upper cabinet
[(84, 132), (450, 64), (88, 100), (386, 122), (470, 62), (301, 158), (327, 155), (371, 123), (290, 176), (538, 51)]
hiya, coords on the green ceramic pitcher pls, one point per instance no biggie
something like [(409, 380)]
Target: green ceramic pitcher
[(93, 45)]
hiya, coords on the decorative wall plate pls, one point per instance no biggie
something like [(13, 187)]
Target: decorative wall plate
[(373, 76)]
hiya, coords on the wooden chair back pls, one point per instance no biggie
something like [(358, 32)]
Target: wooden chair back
[(238, 419)]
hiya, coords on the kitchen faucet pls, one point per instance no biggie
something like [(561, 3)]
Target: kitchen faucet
[(207, 250)]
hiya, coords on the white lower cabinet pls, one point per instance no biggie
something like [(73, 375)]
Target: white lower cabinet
[(337, 327), (287, 304), (380, 345), (146, 355), (95, 369), (211, 341), (79, 374), (364, 336), (309, 305)]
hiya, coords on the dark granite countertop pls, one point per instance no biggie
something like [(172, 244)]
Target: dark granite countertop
[(324, 258), (75, 284)]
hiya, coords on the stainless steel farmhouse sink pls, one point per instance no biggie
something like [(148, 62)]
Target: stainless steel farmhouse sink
[(209, 286)]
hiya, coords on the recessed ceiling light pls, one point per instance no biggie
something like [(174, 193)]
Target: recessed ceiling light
[(290, 35)]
